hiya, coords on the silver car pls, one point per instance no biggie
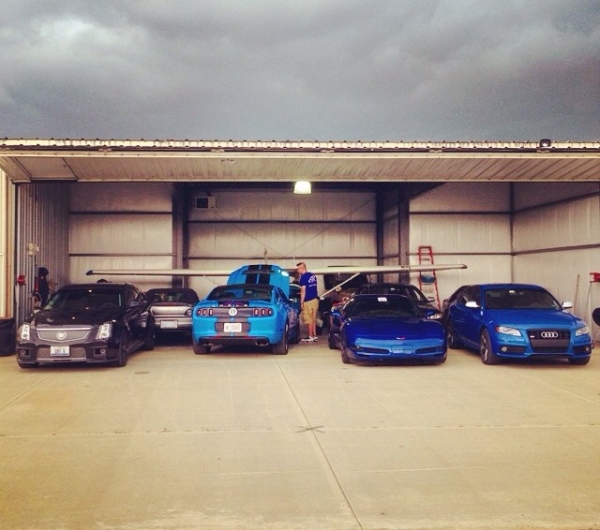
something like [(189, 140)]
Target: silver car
[(172, 308)]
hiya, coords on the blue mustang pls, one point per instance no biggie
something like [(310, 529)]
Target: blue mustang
[(515, 321), (385, 328), (254, 308)]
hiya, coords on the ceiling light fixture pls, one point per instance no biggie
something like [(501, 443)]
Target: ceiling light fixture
[(302, 187)]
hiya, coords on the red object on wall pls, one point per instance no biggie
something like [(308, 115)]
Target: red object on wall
[(21, 279), (594, 276)]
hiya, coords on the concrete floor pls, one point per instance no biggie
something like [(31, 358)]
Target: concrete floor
[(250, 440)]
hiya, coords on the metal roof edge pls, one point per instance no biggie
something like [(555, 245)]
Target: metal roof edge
[(42, 144)]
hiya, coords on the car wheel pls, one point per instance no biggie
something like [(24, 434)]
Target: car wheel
[(281, 347), (296, 336), (331, 343), (451, 339), (122, 356), (150, 338), (345, 358), (579, 362), (485, 349), (27, 365), (199, 349)]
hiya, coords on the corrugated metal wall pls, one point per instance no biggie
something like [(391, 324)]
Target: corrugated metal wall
[(7, 230), (120, 225), (556, 240), (42, 238), (464, 223)]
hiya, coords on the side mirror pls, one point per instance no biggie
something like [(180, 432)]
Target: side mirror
[(135, 303), (567, 305)]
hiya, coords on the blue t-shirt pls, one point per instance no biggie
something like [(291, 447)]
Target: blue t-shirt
[(309, 281)]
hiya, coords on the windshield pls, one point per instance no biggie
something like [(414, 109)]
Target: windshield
[(376, 306), (520, 299), (85, 299), (183, 296), (241, 292)]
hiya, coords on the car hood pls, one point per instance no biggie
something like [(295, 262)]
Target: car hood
[(532, 317), (386, 328), (88, 317)]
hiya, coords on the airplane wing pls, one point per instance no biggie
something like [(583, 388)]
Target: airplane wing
[(337, 269)]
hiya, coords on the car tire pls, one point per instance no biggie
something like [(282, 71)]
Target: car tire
[(345, 358), (122, 355), (150, 341), (296, 338), (199, 349), (451, 339), (282, 347), (330, 342), (485, 349), (26, 366), (580, 362)]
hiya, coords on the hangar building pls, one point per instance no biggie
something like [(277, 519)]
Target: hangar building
[(511, 211)]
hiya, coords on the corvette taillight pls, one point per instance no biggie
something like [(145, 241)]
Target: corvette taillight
[(204, 312)]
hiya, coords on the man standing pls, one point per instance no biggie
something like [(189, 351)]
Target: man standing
[(309, 300)]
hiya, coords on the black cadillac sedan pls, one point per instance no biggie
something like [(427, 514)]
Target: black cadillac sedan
[(87, 323)]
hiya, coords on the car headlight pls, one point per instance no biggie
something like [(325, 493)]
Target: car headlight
[(582, 331), (104, 331), (506, 330), (25, 332)]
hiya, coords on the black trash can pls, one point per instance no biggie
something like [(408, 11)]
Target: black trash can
[(8, 335)]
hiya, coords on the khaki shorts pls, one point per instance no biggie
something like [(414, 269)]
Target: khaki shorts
[(309, 311)]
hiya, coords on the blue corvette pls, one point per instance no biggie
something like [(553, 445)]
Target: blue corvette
[(385, 328), (254, 308), (515, 321)]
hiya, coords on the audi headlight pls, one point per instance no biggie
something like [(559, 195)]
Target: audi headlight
[(506, 330), (104, 331), (582, 331), (25, 332)]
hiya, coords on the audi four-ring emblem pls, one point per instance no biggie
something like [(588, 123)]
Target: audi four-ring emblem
[(549, 334)]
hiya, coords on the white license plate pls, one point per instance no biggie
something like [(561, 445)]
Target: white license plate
[(168, 324), (232, 327), (59, 351)]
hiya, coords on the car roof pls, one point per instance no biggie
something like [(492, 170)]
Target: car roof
[(510, 286), (109, 286)]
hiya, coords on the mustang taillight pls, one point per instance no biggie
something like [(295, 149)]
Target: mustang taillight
[(262, 312), (204, 312)]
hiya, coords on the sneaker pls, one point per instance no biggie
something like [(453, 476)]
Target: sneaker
[(315, 339), (309, 339)]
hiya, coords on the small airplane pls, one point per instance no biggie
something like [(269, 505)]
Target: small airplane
[(352, 271)]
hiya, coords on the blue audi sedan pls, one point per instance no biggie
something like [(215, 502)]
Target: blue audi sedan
[(385, 328), (515, 321)]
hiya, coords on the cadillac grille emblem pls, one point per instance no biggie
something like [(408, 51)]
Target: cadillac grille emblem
[(232, 312), (549, 334), (61, 335)]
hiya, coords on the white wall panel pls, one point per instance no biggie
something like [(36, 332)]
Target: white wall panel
[(81, 264), (566, 224), (464, 197), (121, 197), (566, 274), (269, 205), (528, 194), (120, 234), (456, 234), (280, 240)]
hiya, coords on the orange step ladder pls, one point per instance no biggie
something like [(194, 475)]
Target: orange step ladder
[(428, 279)]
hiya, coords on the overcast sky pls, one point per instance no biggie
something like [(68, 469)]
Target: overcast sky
[(370, 70)]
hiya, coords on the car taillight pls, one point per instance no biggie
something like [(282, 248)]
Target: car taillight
[(262, 312), (204, 312)]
